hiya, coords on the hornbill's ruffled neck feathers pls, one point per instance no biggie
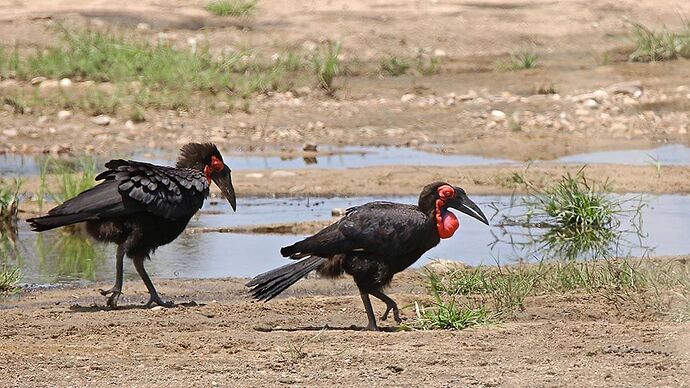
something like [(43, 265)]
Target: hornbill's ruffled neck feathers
[(206, 157)]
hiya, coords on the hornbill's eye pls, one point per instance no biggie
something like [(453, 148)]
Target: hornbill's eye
[(446, 191), (216, 164)]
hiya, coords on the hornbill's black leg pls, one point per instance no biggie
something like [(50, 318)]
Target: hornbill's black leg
[(370, 312), (116, 291), (390, 305), (155, 298)]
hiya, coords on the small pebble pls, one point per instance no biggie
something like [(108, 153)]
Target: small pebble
[(101, 120), (37, 80), (64, 115)]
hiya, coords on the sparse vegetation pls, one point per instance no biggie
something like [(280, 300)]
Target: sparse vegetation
[(501, 289), (449, 313), (662, 45), (8, 280), (16, 102), (394, 66), (428, 65), (296, 352), (142, 75), (520, 60), (232, 7), (644, 284), (326, 64)]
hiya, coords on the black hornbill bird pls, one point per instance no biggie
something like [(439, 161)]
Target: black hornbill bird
[(372, 243), (140, 206)]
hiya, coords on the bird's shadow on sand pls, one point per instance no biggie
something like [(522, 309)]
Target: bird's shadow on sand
[(321, 328), (77, 308)]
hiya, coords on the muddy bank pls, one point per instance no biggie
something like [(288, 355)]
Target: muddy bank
[(58, 337), (408, 180)]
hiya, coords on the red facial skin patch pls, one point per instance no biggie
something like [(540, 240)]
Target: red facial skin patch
[(216, 165), (446, 222)]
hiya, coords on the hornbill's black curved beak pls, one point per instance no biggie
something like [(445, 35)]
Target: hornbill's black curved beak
[(463, 203), (223, 180)]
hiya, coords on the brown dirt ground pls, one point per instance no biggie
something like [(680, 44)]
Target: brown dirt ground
[(63, 337), (469, 37)]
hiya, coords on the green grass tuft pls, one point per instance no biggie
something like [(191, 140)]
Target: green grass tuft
[(326, 64), (520, 60), (449, 313), (137, 114), (394, 66), (232, 7), (8, 280), (652, 46), (16, 102), (574, 217)]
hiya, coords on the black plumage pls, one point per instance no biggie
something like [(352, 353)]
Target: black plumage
[(140, 206), (372, 243)]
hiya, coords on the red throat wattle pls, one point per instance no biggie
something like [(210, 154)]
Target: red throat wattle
[(446, 222)]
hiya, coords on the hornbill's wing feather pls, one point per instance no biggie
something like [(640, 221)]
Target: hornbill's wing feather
[(377, 227), (130, 187), (164, 191)]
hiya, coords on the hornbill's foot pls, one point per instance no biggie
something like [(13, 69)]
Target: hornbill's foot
[(371, 327), (396, 314), (114, 296), (158, 301)]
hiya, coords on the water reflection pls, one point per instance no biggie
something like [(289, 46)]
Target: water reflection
[(55, 256), (67, 256), (9, 249), (328, 157)]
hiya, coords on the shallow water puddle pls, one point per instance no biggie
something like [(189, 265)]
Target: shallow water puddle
[(57, 257), (668, 155), (355, 157), (347, 157)]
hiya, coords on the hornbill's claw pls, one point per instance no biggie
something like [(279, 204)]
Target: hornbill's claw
[(158, 301), (114, 296), (396, 314)]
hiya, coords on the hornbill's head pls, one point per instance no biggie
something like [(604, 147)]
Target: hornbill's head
[(437, 197), (206, 157)]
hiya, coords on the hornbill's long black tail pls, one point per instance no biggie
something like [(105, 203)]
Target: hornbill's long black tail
[(102, 199), (270, 284), (48, 222)]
